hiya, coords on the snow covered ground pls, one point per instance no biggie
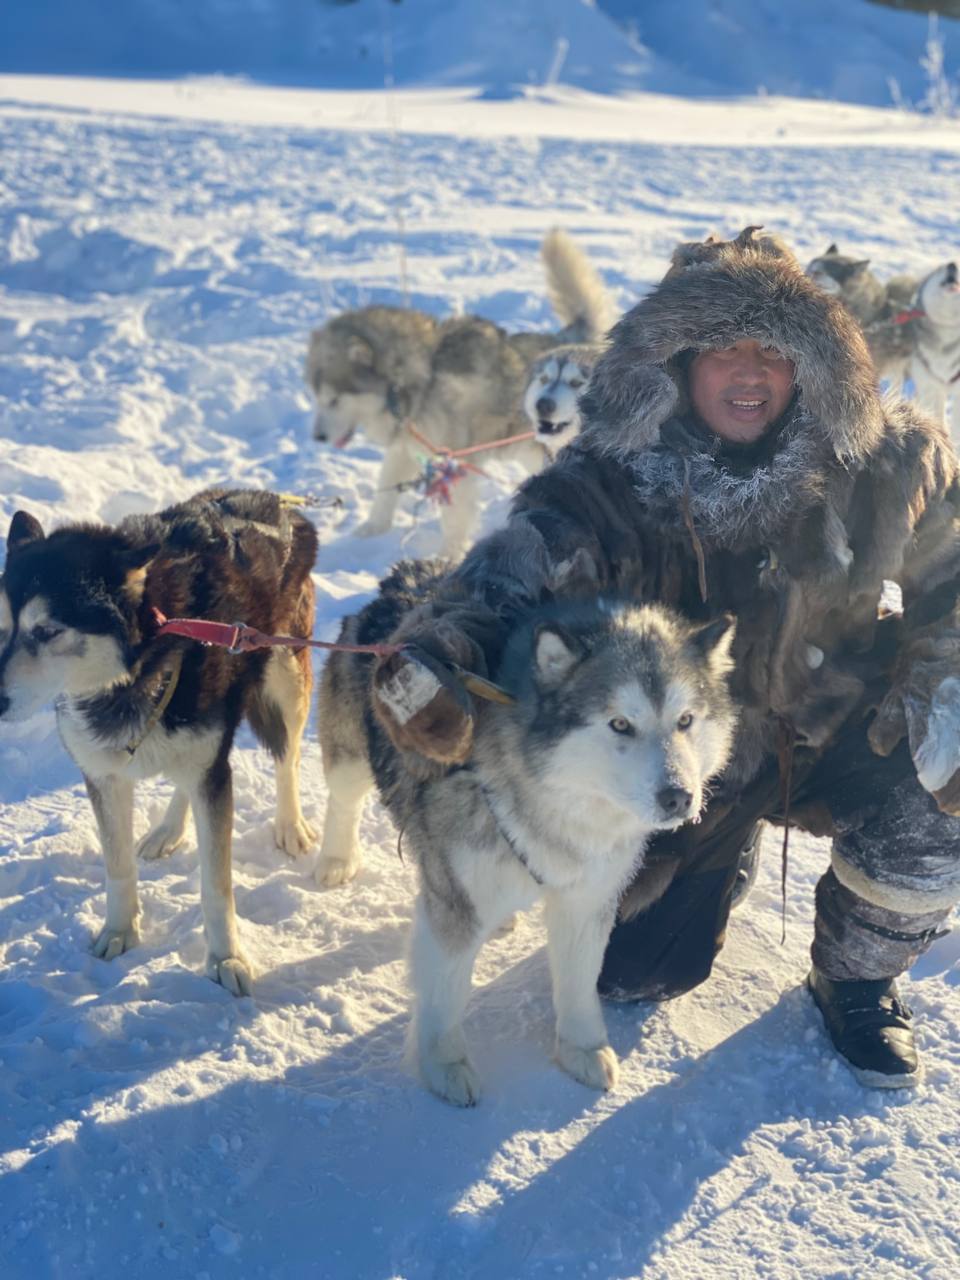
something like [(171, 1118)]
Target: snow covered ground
[(158, 277)]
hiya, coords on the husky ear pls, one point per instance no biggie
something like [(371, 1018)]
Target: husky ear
[(860, 267), (360, 353), (134, 564), (714, 640), (555, 654), (23, 530), (832, 251)]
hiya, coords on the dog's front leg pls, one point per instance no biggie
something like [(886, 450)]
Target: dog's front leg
[(398, 468), (112, 801), (213, 814), (578, 927), (441, 974)]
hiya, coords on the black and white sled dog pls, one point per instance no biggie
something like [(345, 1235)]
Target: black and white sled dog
[(79, 626), (460, 382), (621, 716)]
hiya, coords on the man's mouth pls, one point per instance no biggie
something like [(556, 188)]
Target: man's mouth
[(747, 408)]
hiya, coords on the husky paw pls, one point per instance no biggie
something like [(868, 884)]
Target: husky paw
[(454, 1082), (110, 943), (159, 843), (597, 1068), (333, 871), (232, 972), (294, 835)]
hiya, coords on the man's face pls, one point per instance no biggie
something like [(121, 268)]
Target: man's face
[(741, 390)]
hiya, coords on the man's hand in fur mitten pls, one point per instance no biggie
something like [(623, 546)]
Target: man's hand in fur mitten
[(924, 704), (419, 699)]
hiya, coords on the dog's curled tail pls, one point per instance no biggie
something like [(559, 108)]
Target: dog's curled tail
[(575, 289)]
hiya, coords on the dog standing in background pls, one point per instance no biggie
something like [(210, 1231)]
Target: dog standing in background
[(461, 382)]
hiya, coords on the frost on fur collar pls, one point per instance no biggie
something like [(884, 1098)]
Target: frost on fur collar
[(714, 295)]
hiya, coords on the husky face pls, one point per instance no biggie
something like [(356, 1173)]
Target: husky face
[(939, 296), (849, 279), (632, 721), (65, 603), (365, 369), (552, 398), (339, 414)]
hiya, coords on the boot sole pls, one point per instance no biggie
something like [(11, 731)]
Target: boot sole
[(880, 1080)]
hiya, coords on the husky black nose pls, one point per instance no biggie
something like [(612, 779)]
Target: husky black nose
[(674, 802), (545, 406), (952, 274)]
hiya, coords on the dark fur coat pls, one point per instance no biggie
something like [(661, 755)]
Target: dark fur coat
[(796, 539)]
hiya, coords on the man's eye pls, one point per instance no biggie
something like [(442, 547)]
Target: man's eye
[(45, 632)]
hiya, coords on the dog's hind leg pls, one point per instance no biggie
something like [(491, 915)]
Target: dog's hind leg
[(348, 781), (578, 928), (112, 801), (278, 716), (441, 977), (167, 836), (212, 802), (399, 467)]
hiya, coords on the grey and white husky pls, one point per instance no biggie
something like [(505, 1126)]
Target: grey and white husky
[(79, 626), (460, 382), (555, 382), (933, 361), (621, 715)]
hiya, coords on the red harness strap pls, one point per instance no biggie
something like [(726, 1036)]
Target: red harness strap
[(239, 638), (904, 317)]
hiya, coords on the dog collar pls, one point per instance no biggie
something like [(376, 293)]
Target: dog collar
[(505, 835), (170, 677)]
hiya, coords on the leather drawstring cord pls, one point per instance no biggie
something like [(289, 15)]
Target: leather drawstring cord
[(691, 529), (786, 746)]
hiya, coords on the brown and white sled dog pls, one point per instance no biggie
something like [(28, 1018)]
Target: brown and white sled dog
[(461, 382), (78, 626), (621, 716)]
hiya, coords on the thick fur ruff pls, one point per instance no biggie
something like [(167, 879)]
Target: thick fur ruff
[(718, 294)]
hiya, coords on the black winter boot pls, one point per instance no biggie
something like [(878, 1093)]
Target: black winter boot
[(870, 1028), (747, 865)]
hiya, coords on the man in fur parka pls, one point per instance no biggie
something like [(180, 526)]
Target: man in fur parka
[(737, 457)]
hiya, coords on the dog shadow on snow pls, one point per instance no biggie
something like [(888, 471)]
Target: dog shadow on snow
[(346, 1166)]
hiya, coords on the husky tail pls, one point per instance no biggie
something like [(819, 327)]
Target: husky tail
[(575, 289)]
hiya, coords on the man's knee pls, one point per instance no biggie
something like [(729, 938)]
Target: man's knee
[(905, 857), (669, 948)]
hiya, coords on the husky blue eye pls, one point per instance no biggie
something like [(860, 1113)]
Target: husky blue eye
[(620, 724), (685, 721)]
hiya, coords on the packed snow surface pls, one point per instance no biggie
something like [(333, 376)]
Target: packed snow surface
[(158, 278)]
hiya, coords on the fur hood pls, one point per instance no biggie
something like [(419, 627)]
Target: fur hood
[(717, 293)]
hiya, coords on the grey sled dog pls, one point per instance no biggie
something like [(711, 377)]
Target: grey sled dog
[(78, 624), (460, 382), (621, 716)]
